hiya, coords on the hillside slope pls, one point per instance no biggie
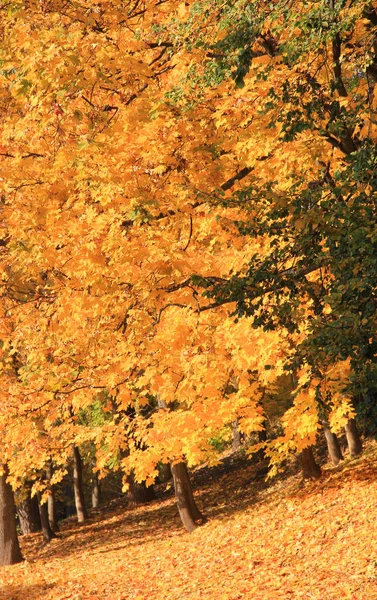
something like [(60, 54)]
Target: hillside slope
[(283, 540)]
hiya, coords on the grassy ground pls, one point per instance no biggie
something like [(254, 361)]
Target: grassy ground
[(283, 540)]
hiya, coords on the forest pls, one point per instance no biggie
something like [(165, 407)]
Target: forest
[(188, 270)]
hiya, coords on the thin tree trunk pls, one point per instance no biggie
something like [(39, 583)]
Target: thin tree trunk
[(96, 491), (51, 504), (333, 446), (353, 439), (10, 552), (236, 444), (191, 516), (78, 485), (48, 533), (139, 493), (28, 511), (310, 468)]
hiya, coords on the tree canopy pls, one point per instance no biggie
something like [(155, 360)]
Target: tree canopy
[(188, 214)]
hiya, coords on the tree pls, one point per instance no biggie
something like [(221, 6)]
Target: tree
[(47, 531), (236, 161), (10, 552), (191, 516), (28, 511), (78, 485)]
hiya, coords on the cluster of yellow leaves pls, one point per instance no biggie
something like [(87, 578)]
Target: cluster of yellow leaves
[(107, 212)]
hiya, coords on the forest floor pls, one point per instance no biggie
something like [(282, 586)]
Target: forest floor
[(278, 540)]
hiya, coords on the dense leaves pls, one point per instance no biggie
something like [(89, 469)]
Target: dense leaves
[(187, 223)]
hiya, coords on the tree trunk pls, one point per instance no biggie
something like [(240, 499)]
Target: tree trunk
[(333, 447), (10, 552), (28, 511), (48, 533), (236, 444), (188, 511), (78, 485), (96, 491), (139, 493), (164, 473), (353, 439), (310, 468), (51, 504)]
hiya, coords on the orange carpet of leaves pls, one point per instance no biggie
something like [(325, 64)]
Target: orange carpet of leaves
[(276, 541)]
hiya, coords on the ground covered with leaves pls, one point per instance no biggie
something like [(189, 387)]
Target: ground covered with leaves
[(265, 541)]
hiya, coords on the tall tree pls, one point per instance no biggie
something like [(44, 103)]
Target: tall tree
[(78, 485), (27, 510), (191, 516), (10, 552)]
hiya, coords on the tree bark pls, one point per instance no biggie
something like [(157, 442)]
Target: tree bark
[(28, 511), (78, 486), (236, 444), (47, 532), (10, 552), (310, 468), (139, 493), (333, 446), (191, 516), (353, 439), (165, 473), (96, 491), (51, 504)]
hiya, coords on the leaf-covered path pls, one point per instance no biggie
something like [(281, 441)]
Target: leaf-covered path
[(282, 541)]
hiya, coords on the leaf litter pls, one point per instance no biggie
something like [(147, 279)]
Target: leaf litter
[(285, 539)]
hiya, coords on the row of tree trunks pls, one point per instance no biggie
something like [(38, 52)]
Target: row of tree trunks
[(190, 515), (311, 469)]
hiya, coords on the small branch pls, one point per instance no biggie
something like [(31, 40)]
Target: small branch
[(190, 236), (157, 320), (240, 175)]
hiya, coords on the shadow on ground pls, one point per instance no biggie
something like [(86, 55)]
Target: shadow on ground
[(33, 592), (235, 485)]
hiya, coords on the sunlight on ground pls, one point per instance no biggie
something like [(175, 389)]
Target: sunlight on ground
[(292, 540)]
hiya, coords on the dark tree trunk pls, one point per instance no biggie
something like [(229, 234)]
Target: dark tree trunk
[(96, 491), (353, 439), (28, 511), (10, 552), (188, 511), (51, 504), (139, 493), (164, 473), (78, 486), (48, 533), (310, 468), (262, 436), (333, 446)]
